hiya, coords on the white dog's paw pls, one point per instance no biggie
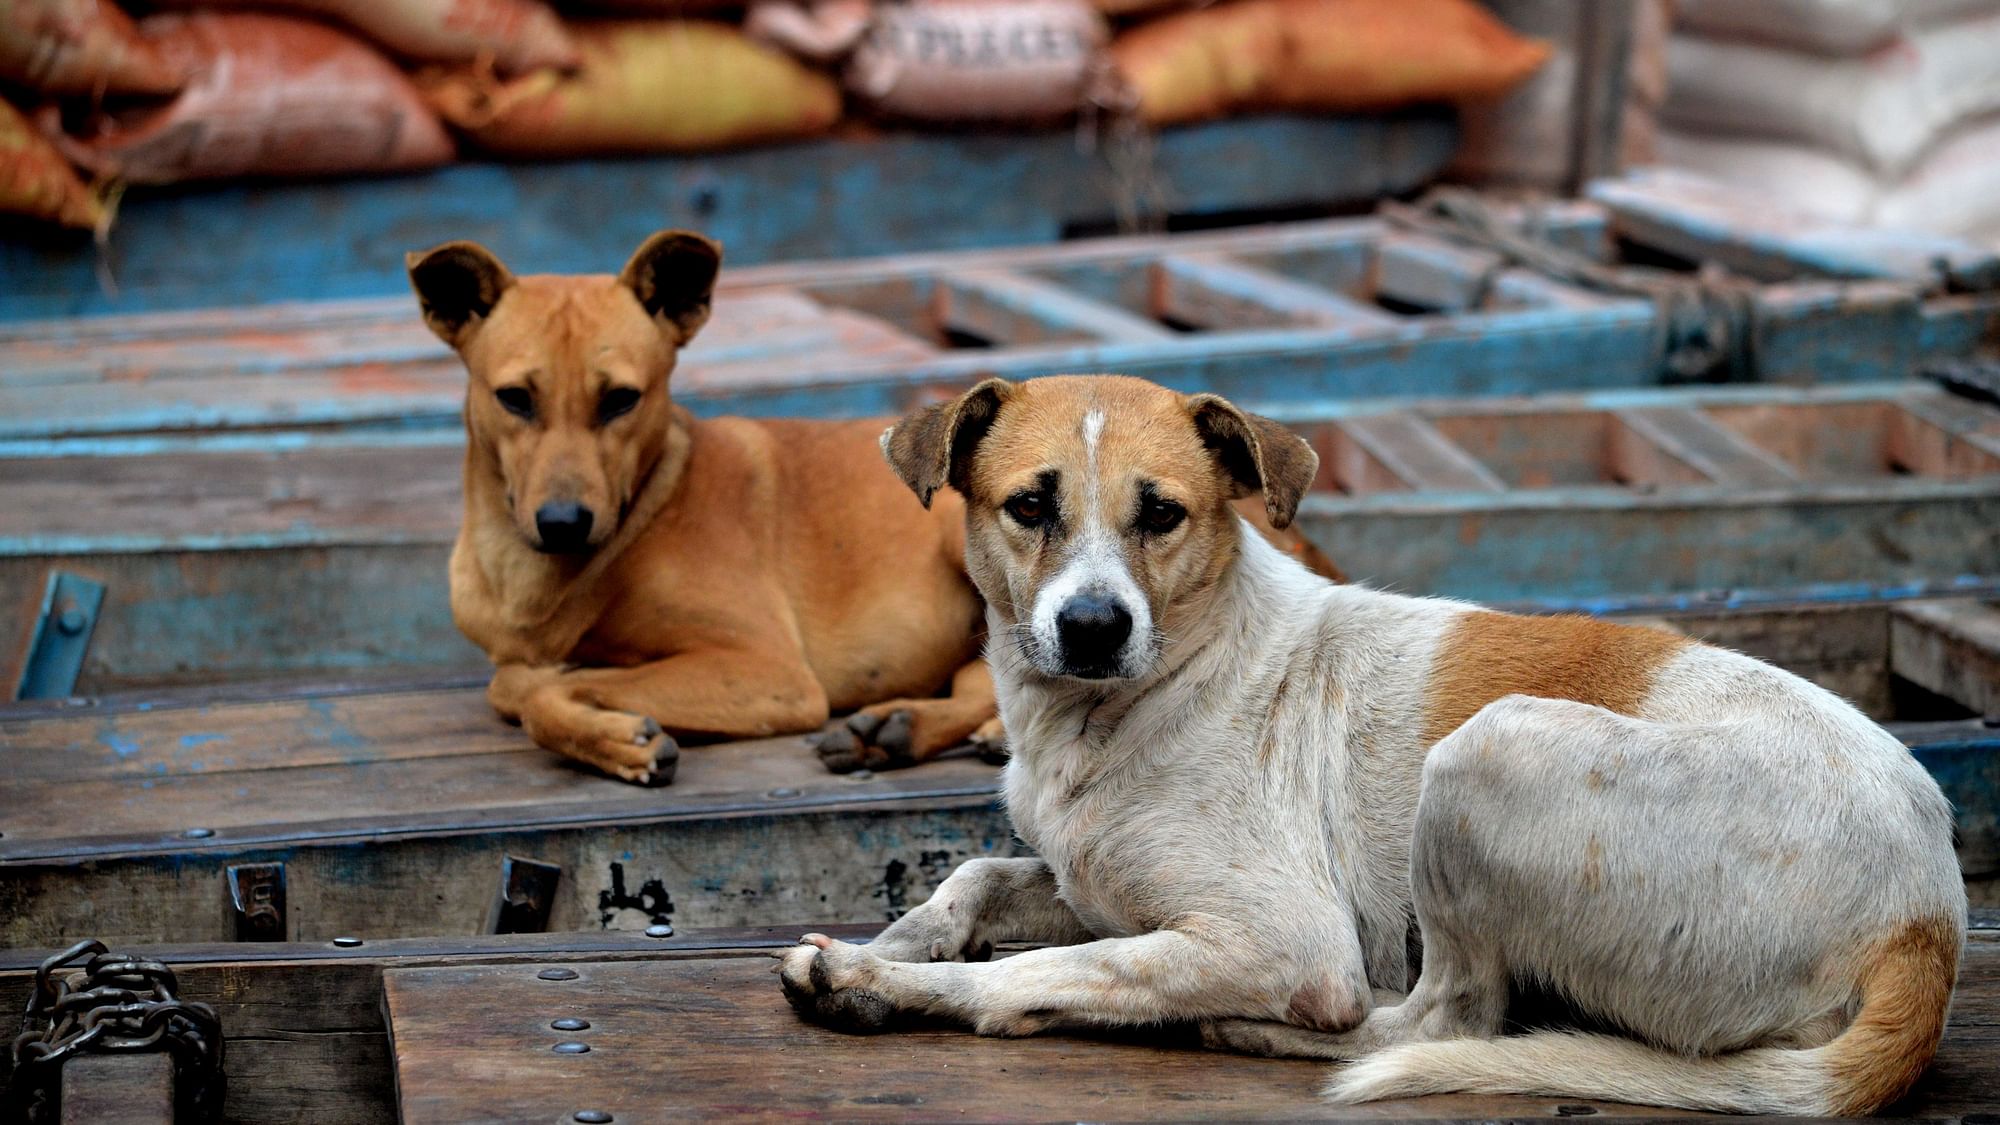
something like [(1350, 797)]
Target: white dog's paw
[(829, 982)]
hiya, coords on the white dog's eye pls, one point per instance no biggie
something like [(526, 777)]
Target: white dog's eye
[(1157, 517), (1028, 509)]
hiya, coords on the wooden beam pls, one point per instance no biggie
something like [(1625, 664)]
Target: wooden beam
[(1218, 292), (1715, 452), (1950, 648), (1016, 309), (1417, 453)]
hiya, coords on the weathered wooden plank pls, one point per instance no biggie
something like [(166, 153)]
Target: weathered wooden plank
[(693, 1040), (1716, 453), (837, 197), (249, 556), (1014, 308), (1953, 650), (121, 1089), (1704, 221), (1218, 293), (1418, 454)]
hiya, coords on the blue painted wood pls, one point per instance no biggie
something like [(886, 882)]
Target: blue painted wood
[(256, 243), (213, 574)]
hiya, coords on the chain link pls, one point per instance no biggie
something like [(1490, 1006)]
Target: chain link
[(115, 1003)]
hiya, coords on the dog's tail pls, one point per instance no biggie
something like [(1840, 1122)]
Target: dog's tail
[(1904, 988)]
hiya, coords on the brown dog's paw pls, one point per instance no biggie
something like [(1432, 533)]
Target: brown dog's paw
[(867, 740), (820, 991), (649, 757), (990, 742)]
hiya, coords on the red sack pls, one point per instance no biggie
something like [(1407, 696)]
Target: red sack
[(518, 35), (79, 47), (36, 181), (267, 96)]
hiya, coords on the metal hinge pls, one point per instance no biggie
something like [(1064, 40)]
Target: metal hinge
[(70, 606)]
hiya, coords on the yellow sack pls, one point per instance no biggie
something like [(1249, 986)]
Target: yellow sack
[(643, 86), (36, 181), (1320, 55)]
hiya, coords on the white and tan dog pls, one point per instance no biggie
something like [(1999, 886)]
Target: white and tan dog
[(1250, 788)]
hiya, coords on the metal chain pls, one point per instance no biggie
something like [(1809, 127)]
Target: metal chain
[(115, 1003), (1709, 327)]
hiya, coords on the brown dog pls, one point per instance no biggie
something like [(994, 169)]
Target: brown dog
[(640, 576)]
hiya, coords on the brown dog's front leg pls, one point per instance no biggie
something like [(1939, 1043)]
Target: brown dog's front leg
[(904, 732), (622, 720)]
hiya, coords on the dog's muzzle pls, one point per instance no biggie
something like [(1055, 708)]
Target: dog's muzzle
[(1091, 631), (563, 528)]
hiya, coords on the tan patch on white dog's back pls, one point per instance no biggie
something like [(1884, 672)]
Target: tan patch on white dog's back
[(1484, 656)]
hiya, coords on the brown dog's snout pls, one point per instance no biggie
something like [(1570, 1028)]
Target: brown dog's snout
[(563, 527)]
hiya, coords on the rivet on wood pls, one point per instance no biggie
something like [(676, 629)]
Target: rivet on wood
[(557, 974), (861, 775), (782, 793), (570, 1023), (592, 1116), (347, 942), (1576, 1111), (572, 1048), (199, 833), (660, 930)]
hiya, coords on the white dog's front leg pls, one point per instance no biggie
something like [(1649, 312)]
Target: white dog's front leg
[(1207, 968), (983, 903)]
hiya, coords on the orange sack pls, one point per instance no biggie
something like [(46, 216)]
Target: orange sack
[(267, 96), (1320, 55), (36, 181), (79, 47), (518, 35), (647, 86)]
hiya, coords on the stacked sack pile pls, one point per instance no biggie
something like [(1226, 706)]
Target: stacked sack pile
[(93, 96), (1878, 112)]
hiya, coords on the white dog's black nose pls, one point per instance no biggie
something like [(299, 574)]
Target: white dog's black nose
[(564, 527), (1092, 630)]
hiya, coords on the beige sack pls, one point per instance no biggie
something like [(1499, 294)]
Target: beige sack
[(978, 60)]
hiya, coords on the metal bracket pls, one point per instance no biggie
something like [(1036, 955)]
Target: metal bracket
[(527, 897), (62, 637), (257, 896)]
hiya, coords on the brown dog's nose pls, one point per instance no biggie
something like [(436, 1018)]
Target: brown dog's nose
[(564, 527)]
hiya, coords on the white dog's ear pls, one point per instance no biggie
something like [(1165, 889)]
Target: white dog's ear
[(457, 286), (673, 274), (1257, 453), (933, 446)]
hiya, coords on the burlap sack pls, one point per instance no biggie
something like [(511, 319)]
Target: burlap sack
[(79, 47), (1320, 55), (651, 86), (267, 96), (978, 60), (517, 35), (37, 182)]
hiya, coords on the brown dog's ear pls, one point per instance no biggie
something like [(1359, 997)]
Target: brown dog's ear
[(1258, 454), (673, 275), (457, 284), (932, 447)]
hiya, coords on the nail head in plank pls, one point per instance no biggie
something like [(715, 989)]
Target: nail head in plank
[(1416, 452), (1015, 308), (1219, 292)]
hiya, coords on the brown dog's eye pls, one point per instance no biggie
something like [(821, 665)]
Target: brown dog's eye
[(517, 401), (1157, 517), (616, 403), (1027, 508)]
